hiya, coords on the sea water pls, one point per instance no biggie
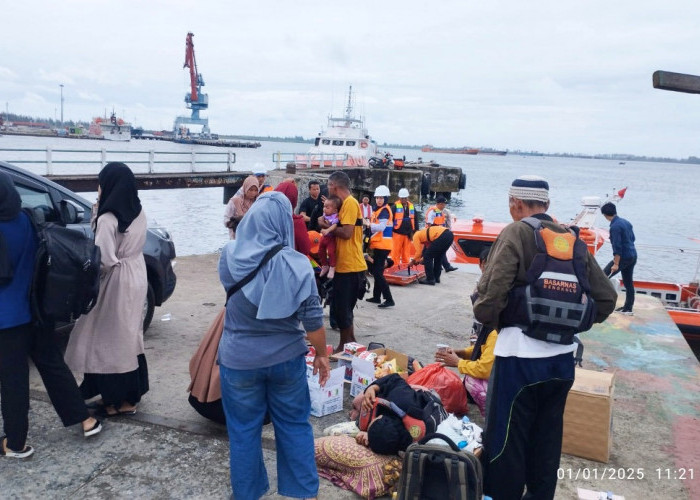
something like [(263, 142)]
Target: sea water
[(661, 202)]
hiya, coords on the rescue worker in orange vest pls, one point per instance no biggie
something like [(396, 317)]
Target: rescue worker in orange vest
[(435, 216), (404, 227), (431, 246), (264, 188), (381, 226)]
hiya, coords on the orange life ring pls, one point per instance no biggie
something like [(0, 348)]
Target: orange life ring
[(363, 144)]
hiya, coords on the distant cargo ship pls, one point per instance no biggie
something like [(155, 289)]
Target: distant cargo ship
[(463, 151), (459, 151)]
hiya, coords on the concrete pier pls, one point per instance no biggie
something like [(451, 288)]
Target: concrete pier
[(231, 180), (168, 451)]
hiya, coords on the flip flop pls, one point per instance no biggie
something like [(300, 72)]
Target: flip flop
[(102, 412)]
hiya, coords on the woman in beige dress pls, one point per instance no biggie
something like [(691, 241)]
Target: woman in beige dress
[(106, 345)]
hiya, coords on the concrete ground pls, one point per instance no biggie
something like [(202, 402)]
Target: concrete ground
[(168, 451)]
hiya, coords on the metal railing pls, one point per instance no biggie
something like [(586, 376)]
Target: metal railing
[(313, 160), (102, 156)]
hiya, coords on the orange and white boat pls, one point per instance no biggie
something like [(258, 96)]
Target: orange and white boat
[(471, 237), (682, 301)]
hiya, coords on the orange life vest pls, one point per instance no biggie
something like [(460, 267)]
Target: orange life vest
[(382, 240), (439, 219)]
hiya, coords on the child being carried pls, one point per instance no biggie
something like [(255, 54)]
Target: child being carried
[(326, 248)]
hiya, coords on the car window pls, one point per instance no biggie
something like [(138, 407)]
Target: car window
[(37, 201)]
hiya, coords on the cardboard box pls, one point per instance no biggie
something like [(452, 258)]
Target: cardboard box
[(588, 416), (328, 399), (363, 371), (353, 348)]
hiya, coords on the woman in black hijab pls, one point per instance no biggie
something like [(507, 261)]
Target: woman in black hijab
[(107, 344), (118, 194)]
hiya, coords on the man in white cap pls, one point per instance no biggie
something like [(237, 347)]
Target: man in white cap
[(534, 367), (404, 227)]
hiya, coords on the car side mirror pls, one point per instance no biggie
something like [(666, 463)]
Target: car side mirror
[(70, 213)]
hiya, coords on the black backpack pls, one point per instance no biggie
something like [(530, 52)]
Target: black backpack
[(436, 472), (66, 279)]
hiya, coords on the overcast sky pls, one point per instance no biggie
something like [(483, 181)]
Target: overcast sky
[(551, 75)]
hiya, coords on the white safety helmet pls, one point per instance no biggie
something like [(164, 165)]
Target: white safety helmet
[(382, 191), (403, 193)]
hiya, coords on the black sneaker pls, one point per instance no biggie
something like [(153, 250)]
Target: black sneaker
[(373, 300), (426, 282), (450, 269), (387, 303), (620, 309)]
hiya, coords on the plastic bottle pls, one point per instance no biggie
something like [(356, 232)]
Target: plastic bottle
[(462, 445)]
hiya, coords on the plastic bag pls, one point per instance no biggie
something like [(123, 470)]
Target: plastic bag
[(446, 383)]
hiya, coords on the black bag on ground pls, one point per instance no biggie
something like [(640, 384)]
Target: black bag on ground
[(436, 472), (66, 272)]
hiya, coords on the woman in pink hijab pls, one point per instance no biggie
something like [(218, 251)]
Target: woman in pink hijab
[(301, 236), (239, 204)]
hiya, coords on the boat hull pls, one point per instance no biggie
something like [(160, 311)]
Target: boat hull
[(681, 302)]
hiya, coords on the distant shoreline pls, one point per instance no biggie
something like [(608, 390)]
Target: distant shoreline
[(52, 126)]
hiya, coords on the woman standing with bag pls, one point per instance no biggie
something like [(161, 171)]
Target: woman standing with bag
[(20, 339), (261, 353), (107, 344)]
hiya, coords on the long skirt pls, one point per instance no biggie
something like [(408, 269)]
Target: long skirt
[(117, 388)]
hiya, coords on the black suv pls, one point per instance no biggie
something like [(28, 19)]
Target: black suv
[(59, 204)]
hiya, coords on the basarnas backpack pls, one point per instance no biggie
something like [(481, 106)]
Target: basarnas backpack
[(66, 279), (438, 472), (556, 303)]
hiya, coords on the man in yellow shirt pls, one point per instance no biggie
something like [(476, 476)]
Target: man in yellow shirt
[(350, 266)]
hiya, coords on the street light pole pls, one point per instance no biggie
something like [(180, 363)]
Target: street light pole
[(61, 85)]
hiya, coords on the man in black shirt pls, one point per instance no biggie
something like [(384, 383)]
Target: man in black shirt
[(312, 207)]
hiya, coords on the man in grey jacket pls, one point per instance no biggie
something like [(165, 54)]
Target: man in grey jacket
[(531, 377)]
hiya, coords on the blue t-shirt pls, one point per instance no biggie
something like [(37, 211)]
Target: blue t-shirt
[(622, 238), (14, 297), (248, 343)]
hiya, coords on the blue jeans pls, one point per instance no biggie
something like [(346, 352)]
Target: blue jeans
[(282, 391)]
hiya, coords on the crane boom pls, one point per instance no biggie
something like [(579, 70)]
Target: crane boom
[(194, 99), (191, 63)]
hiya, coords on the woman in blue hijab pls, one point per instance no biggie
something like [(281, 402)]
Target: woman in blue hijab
[(261, 353)]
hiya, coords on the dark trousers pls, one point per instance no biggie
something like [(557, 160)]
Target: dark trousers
[(626, 269), (524, 425), (432, 256), (381, 287), (345, 287), (445, 262), (17, 345)]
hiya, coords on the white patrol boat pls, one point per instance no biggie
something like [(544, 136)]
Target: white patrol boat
[(345, 143)]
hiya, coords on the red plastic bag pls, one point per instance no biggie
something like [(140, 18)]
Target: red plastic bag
[(446, 383)]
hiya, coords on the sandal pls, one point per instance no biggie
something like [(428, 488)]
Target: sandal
[(95, 429), (102, 412), (28, 451)]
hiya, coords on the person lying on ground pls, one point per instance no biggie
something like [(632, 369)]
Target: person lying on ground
[(398, 414)]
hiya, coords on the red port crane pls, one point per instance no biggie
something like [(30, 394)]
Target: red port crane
[(195, 99)]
